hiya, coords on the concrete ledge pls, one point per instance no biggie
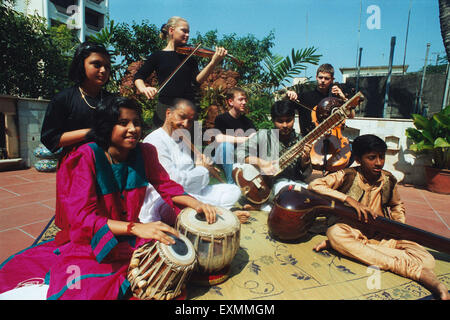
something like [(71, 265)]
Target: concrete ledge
[(11, 164)]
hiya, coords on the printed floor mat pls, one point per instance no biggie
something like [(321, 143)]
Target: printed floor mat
[(267, 269), (264, 268)]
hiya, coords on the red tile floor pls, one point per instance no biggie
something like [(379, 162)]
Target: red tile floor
[(27, 202)]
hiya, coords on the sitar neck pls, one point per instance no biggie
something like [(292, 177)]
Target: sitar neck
[(329, 123)]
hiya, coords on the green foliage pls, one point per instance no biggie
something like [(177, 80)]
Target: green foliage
[(248, 49), (106, 37), (210, 96), (280, 70), (136, 41), (259, 103), (432, 135), (34, 59), (128, 44)]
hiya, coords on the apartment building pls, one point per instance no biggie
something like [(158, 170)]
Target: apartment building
[(87, 17)]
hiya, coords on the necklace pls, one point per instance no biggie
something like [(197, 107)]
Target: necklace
[(84, 94), (113, 161)]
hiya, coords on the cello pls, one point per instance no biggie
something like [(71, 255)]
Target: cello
[(331, 152), (257, 187), (295, 210)]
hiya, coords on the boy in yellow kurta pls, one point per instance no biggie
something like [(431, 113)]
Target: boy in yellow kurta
[(373, 191)]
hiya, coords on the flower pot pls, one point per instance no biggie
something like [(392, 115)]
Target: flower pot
[(437, 180)]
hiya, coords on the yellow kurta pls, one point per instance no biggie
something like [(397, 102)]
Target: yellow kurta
[(405, 258)]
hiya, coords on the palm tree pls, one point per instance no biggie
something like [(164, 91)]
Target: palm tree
[(444, 18), (280, 70)]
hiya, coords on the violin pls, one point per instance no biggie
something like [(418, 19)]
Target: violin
[(204, 53)]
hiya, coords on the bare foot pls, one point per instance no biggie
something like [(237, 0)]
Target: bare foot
[(431, 282), (242, 215), (323, 245)]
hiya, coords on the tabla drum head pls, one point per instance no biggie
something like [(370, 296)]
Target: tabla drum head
[(226, 222), (182, 251)]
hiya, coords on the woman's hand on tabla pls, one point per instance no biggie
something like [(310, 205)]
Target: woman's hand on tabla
[(155, 230)]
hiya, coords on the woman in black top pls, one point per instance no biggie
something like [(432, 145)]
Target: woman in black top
[(69, 114), (165, 61)]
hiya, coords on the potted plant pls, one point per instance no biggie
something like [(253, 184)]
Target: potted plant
[(432, 136)]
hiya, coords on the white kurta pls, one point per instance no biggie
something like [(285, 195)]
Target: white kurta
[(176, 159)]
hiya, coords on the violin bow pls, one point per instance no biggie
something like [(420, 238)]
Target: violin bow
[(178, 68), (302, 105)]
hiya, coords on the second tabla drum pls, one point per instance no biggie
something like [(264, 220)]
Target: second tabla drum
[(216, 244)]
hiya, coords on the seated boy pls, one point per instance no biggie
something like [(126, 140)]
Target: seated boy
[(373, 191), (264, 149), (235, 128)]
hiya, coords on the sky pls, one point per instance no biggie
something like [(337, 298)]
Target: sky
[(334, 27)]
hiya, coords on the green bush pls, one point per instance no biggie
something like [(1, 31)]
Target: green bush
[(432, 136)]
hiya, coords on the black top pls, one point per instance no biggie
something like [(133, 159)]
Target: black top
[(67, 111), (310, 99), (182, 85), (225, 121)]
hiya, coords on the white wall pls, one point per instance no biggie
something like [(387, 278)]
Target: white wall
[(30, 114), (403, 163)]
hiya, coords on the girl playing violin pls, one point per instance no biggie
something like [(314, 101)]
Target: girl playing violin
[(165, 61)]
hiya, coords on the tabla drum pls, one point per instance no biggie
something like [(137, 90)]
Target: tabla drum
[(216, 244), (158, 271)]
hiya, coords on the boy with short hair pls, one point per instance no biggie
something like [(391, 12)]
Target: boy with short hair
[(264, 149), (234, 126), (310, 98), (370, 190)]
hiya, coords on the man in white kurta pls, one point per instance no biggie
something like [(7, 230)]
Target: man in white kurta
[(174, 156)]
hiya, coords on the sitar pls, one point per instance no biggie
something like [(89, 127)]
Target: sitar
[(257, 187), (295, 210)]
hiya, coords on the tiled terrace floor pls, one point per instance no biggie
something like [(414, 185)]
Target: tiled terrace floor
[(27, 202)]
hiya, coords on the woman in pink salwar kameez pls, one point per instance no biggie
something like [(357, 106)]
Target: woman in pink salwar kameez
[(104, 185)]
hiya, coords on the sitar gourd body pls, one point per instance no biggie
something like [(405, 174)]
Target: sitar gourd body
[(295, 210)]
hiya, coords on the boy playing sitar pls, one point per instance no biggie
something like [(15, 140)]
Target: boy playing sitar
[(370, 190)]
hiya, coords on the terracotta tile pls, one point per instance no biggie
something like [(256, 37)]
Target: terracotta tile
[(35, 229), (13, 241), (6, 194), (443, 207), (15, 172), (408, 194), (42, 196), (51, 203), (24, 215), (431, 225), (30, 187), (419, 209), (39, 176), (11, 180)]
